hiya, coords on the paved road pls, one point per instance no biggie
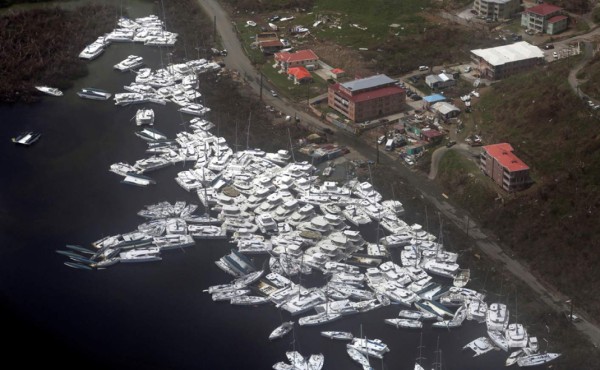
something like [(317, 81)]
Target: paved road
[(236, 59)]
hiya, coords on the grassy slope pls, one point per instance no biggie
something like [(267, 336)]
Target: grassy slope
[(553, 225)]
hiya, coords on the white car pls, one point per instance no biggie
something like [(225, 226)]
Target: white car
[(423, 68), (475, 93), (555, 55)]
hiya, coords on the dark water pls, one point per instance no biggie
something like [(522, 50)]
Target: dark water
[(152, 316)]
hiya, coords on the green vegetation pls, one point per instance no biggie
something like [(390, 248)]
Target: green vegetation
[(591, 73), (596, 15), (30, 55), (552, 225), (299, 93)]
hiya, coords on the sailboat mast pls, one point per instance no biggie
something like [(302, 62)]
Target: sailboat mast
[(248, 133), (291, 147)]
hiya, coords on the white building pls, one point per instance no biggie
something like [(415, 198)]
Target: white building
[(497, 9), (503, 61)]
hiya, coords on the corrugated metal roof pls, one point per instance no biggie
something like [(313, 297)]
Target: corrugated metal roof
[(509, 53), (503, 154), (368, 83), (543, 9)]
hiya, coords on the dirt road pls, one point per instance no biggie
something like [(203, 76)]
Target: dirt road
[(236, 59)]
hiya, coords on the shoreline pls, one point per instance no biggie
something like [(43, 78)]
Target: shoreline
[(432, 188)]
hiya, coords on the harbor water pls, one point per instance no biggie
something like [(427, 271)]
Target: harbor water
[(153, 315)]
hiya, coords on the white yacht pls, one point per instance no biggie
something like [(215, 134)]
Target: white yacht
[(338, 335), (358, 357), (194, 109), (130, 98), (93, 50), (480, 346), (369, 347), (206, 232), (516, 336), (356, 215), (303, 214), (151, 134), (404, 323), (393, 205), (281, 157), (497, 317), (316, 361), (49, 90), (477, 310), (26, 138), (120, 35), (137, 180), (93, 93), (144, 116), (366, 191), (281, 330), (499, 339), (173, 241), (141, 255), (538, 359), (131, 62), (266, 223), (444, 269)]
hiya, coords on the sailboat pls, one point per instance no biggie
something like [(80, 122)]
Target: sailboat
[(437, 364), (418, 359)]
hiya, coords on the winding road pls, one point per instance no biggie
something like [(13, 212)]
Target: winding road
[(237, 60)]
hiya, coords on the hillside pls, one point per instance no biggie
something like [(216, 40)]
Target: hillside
[(553, 225)]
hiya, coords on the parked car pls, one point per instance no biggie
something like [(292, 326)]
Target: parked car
[(423, 68), (467, 69), (416, 97), (381, 139), (450, 143), (548, 46), (273, 92), (555, 55)]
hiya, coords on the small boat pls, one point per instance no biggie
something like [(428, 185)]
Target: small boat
[(150, 134), (315, 362), (49, 90), (144, 117), (358, 357), (137, 179), (462, 278), (338, 335), (131, 62), (26, 138), (93, 93), (405, 323), (249, 300), (514, 357), (281, 330), (534, 360), (80, 249), (499, 340), (78, 266), (480, 346)]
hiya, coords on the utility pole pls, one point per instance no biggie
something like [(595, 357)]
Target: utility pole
[(215, 29), (467, 225), (377, 148), (261, 86)]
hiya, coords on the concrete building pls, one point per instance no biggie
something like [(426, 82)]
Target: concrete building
[(440, 81), (544, 18), (302, 58), (497, 9), (366, 98), (503, 61), (500, 163)]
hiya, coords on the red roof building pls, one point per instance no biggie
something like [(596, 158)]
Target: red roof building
[(270, 46), (337, 73), (302, 58), (543, 9), (367, 98), (506, 169), (544, 18), (299, 74)]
